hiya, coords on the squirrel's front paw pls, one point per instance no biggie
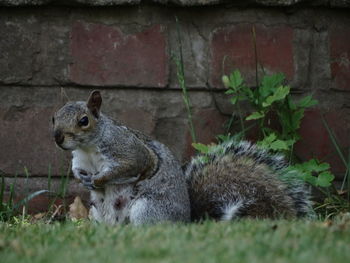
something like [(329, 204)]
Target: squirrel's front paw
[(88, 183), (85, 178), (98, 181)]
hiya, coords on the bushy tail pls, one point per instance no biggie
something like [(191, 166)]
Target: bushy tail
[(298, 191), (234, 198), (238, 149)]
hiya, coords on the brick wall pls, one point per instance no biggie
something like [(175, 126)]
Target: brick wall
[(53, 52)]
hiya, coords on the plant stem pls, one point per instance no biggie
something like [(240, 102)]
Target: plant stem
[(256, 57), (241, 118), (334, 141), (182, 82)]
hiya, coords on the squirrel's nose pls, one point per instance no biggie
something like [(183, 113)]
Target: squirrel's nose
[(59, 137)]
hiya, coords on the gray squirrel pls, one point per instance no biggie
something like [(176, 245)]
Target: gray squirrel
[(135, 179)]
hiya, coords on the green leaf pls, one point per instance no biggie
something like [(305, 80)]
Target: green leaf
[(280, 93), (291, 104), (248, 92), (271, 142), (279, 145), (296, 118), (322, 167), (314, 166), (324, 179), (306, 102), (234, 100), (223, 137), (255, 116), (269, 84), (202, 148), (309, 166), (266, 142), (230, 91), (270, 138), (310, 179), (235, 80)]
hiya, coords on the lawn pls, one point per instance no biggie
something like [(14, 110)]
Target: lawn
[(240, 241)]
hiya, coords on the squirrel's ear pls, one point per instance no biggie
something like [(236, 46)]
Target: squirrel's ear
[(94, 103)]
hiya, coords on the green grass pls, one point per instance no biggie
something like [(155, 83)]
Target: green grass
[(242, 241)]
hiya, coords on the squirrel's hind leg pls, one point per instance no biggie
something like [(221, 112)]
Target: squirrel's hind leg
[(149, 211)]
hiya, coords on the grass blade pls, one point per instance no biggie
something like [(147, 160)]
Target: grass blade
[(334, 141), (2, 191), (25, 200), (182, 82)]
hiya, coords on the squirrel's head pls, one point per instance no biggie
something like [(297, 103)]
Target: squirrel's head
[(75, 123)]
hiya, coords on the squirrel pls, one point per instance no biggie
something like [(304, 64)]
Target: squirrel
[(135, 179)]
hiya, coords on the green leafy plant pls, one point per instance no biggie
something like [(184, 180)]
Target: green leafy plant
[(308, 169), (270, 97)]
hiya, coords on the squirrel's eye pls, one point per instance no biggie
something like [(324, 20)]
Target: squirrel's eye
[(53, 120), (83, 121)]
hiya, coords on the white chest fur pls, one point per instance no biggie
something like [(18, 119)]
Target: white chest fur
[(90, 160)]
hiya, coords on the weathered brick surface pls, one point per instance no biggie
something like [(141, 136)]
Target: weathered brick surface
[(233, 48), (283, 3), (195, 49), (105, 56), (20, 44), (26, 141), (208, 123), (340, 56), (33, 48), (316, 141)]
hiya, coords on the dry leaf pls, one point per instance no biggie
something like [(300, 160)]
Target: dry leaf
[(342, 192), (77, 210), (39, 216), (327, 223)]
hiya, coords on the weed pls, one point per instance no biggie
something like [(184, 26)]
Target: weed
[(182, 82), (8, 208), (270, 97)]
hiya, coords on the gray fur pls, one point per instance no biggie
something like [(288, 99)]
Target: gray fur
[(132, 178)]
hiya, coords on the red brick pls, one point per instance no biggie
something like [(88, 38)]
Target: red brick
[(42, 203), (208, 124), (316, 142), (232, 48), (22, 187), (104, 55), (26, 141), (340, 57)]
